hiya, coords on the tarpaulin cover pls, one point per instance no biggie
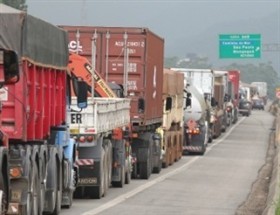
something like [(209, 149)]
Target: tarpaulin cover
[(34, 39)]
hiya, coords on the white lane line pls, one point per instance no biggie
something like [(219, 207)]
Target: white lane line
[(150, 183)]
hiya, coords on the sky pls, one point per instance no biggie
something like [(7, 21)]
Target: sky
[(174, 20)]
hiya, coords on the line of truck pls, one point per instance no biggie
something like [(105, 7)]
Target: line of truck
[(85, 108)]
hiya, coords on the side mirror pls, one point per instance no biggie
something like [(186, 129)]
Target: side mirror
[(9, 60), (168, 104), (213, 102), (80, 89), (188, 102), (82, 94)]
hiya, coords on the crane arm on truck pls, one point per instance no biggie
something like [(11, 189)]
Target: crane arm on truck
[(80, 67)]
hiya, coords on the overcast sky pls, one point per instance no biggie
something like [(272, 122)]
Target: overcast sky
[(171, 19), (159, 15)]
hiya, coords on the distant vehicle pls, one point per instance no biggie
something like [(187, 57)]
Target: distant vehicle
[(258, 104), (245, 107)]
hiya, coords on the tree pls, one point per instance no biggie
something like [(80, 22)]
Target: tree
[(18, 4), (191, 61)]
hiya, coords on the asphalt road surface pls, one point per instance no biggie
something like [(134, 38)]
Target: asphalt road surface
[(213, 184)]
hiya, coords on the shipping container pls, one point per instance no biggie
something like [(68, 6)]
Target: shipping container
[(131, 57)]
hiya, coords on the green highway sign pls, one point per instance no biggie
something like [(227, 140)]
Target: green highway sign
[(240, 45)]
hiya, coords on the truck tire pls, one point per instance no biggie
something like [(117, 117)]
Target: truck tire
[(42, 174), (58, 176), (70, 197), (36, 192), (109, 163), (203, 150), (122, 179), (128, 177), (33, 196), (157, 169), (166, 162), (145, 170)]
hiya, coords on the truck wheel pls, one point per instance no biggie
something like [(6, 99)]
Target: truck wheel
[(157, 169), (203, 150), (145, 170), (122, 179), (33, 197), (58, 175), (70, 197), (35, 190), (128, 177)]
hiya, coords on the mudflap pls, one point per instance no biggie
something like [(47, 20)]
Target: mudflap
[(119, 169)]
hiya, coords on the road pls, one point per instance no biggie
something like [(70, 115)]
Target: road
[(216, 183)]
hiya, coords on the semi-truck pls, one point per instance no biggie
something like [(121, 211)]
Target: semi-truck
[(35, 116), (204, 81), (172, 126), (261, 90), (221, 80), (102, 132), (245, 98), (198, 89), (132, 58)]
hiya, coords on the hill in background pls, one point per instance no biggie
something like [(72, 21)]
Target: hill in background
[(207, 43)]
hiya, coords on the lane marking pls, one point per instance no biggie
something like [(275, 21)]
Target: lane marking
[(225, 135), (152, 182)]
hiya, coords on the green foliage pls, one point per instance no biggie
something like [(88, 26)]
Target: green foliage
[(171, 62), (191, 61), (18, 4)]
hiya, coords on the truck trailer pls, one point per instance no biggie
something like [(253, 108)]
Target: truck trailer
[(101, 129), (35, 116), (132, 58)]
